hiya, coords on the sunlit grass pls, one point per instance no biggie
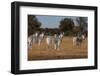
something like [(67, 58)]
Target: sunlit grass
[(67, 51)]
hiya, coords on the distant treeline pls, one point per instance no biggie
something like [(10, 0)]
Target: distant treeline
[(66, 25)]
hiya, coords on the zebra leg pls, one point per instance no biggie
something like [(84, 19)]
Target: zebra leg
[(31, 45), (39, 42), (58, 46), (55, 46)]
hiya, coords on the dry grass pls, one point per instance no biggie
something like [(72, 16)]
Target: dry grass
[(67, 51)]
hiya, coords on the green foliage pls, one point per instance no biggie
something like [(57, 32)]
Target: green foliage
[(33, 24), (66, 24), (81, 21)]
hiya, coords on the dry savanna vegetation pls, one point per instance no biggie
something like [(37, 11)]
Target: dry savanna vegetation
[(67, 50)]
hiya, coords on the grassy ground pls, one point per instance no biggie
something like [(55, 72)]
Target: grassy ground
[(67, 51)]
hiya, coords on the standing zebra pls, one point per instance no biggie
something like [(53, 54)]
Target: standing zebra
[(49, 41), (40, 38), (77, 41), (58, 40)]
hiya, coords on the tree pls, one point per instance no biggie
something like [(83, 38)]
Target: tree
[(82, 21), (33, 24), (66, 25)]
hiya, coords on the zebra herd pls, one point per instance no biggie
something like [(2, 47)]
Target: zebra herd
[(55, 40)]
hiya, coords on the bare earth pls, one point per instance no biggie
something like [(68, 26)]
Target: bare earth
[(67, 51)]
